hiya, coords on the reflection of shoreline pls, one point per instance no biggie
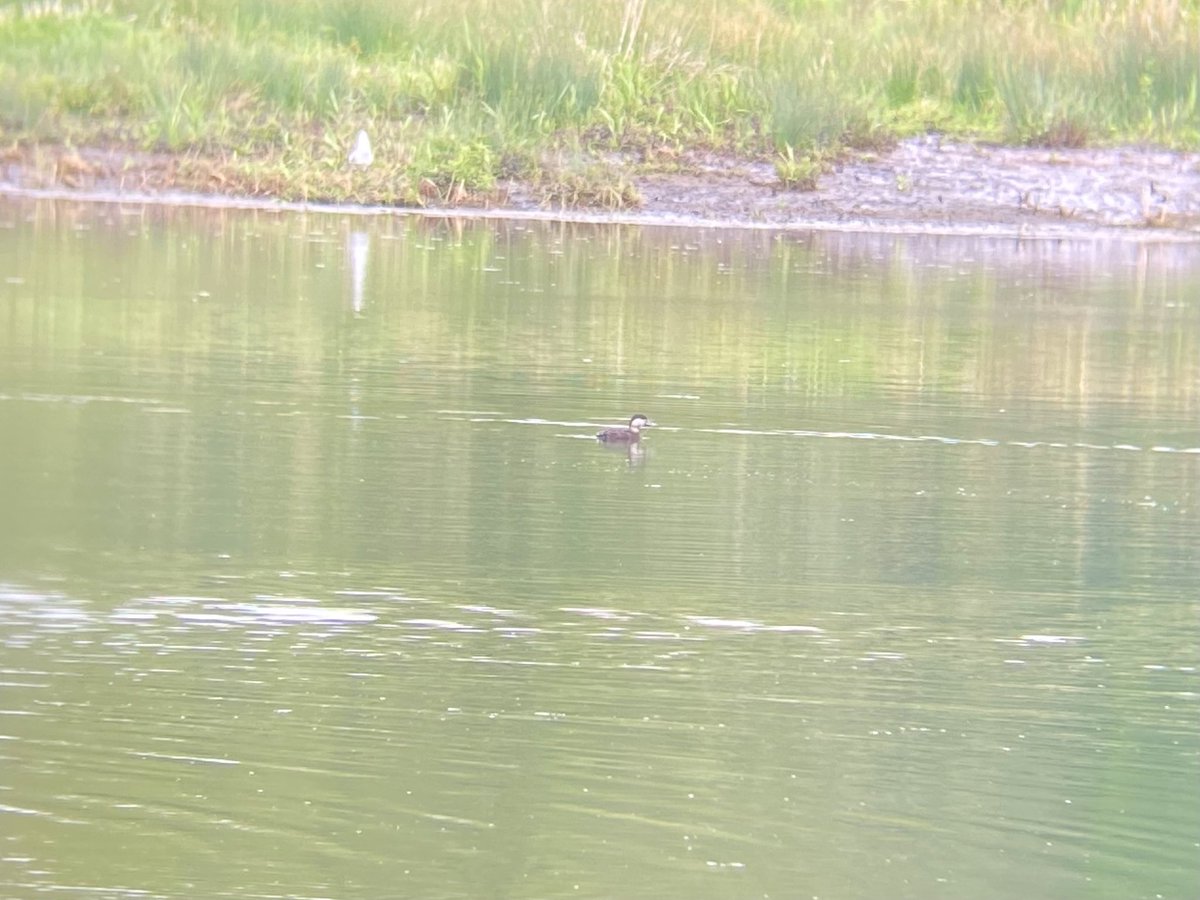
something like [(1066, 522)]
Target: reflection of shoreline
[(1048, 258), (1029, 323)]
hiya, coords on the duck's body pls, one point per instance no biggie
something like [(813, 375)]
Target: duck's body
[(629, 434)]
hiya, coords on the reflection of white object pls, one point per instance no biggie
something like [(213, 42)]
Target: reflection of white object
[(361, 155), (358, 244)]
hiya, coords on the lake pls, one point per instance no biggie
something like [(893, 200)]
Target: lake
[(314, 581)]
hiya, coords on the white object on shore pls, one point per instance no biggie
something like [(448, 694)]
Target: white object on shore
[(361, 155)]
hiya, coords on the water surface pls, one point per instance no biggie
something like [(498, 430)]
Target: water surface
[(313, 582)]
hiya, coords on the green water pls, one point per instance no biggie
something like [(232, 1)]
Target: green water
[(313, 582)]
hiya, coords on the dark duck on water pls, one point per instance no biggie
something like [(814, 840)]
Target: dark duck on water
[(625, 435)]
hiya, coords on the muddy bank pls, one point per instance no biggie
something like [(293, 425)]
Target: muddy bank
[(923, 185), (939, 186)]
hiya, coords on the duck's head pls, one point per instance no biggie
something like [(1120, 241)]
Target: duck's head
[(638, 422)]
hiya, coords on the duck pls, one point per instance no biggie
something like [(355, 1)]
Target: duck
[(628, 434)]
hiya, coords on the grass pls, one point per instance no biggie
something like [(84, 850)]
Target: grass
[(797, 173), (265, 96)]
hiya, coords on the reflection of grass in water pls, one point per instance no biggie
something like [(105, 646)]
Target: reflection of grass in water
[(746, 312), (458, 94)]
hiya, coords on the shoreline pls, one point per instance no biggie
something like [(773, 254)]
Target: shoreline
[(923, 186)]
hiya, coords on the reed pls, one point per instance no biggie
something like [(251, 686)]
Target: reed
[(462, 93)]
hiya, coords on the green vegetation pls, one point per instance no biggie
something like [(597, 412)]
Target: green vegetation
[(797, 172), (265, 96)]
